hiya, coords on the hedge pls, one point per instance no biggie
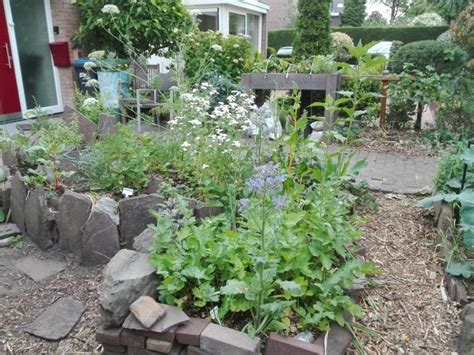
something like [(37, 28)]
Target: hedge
[(406, 34)]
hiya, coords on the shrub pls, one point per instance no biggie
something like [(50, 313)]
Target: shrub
[(339, 43), (428, 19), (375, 19), (406, 34), (312, 28), (444, 57), (210, 51), (354, 13), (446, 36), (145, 26), (463, 30)]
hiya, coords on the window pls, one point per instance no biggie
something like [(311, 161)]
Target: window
[(252, 29), (248, 24), (236, 24), (209, 21)]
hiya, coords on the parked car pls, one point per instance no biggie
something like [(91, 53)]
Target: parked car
[(285, 52), (382, 48)]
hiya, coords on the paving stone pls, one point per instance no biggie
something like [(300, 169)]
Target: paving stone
[(17, 201), (39, 219), (144, 242), (73, 212), (100, 240), (190, 333), (57, 320), (173, 317), (219, 340), (127, 276), (280, 345), (9, 230), (159, 346), (135, 215), (109, 336), (147, 311), (38, 269), (132, 338), (338, 340)]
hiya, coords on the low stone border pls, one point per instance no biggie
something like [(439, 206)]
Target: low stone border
[(95, 231), (455, 289)]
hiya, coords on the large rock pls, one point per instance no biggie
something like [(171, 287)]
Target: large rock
[(9, 230), (110, 207), (6, 191), (127, 276), (135, 215), (73, 213), (144, 241), (39, 219), (87, 129), (17, 201), (100, 239), (57, 320), (466, 338)]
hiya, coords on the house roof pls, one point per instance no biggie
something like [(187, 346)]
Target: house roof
[(253, 5)]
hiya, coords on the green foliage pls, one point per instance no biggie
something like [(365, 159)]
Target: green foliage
[(443, 57), (462, 31), (122, 160), (406, 34), (90, 111), (354, 13), (449, 9), (312, 29), (210, 51), (142, 25), (375, 19), (449, 170)]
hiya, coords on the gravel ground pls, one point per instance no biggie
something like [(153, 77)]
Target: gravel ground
[(407, 309), (22, 300)]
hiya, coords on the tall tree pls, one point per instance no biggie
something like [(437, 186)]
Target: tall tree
[(449, 9), (312, 28), (354, 13), (397, 7)]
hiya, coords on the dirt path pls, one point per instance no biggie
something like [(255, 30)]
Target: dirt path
[(22, 300), (407, 308)]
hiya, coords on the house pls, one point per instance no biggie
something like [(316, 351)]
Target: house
[(283, 13), (30, 79)]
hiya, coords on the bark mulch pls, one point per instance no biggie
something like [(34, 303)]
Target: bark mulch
[(408, 309)]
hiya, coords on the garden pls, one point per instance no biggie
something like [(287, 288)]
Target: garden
[(287, 219)]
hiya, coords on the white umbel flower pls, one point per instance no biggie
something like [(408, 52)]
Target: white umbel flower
[(92, 83), (185, 146), (110, 9), (89, 66), (216, 47), (90, 102)]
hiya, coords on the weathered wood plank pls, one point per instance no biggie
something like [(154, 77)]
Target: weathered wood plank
[(279, 81)]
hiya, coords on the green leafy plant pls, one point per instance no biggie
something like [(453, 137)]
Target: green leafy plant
[(144, 26), (354, 13)]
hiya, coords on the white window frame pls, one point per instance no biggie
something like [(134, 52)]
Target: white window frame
[(238, 11)]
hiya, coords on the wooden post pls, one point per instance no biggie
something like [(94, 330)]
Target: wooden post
[(383, 103)]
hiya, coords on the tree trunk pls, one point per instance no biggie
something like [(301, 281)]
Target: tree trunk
[(419, 113)]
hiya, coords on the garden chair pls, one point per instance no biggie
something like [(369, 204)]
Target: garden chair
[(142, 83)]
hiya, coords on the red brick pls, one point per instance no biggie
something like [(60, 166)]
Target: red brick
[(108, 336), (280, 345), (132, 338), (190, 333), (160, 346)]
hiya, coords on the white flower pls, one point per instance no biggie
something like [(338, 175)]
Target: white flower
[(195, 12), (73, 2), (236, 61), (212, 60), (216, 47), (89, 66), (110, 9), (90, 102), (175, 30), (237, 144), (185, 146), (97, 55), (133, 1), (195, 122), (236, 46), (92, 83), (205, 166)]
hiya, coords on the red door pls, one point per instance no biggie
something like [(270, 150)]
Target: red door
[(9, 100)]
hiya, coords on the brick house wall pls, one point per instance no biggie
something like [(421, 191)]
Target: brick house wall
[(66, 17)]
